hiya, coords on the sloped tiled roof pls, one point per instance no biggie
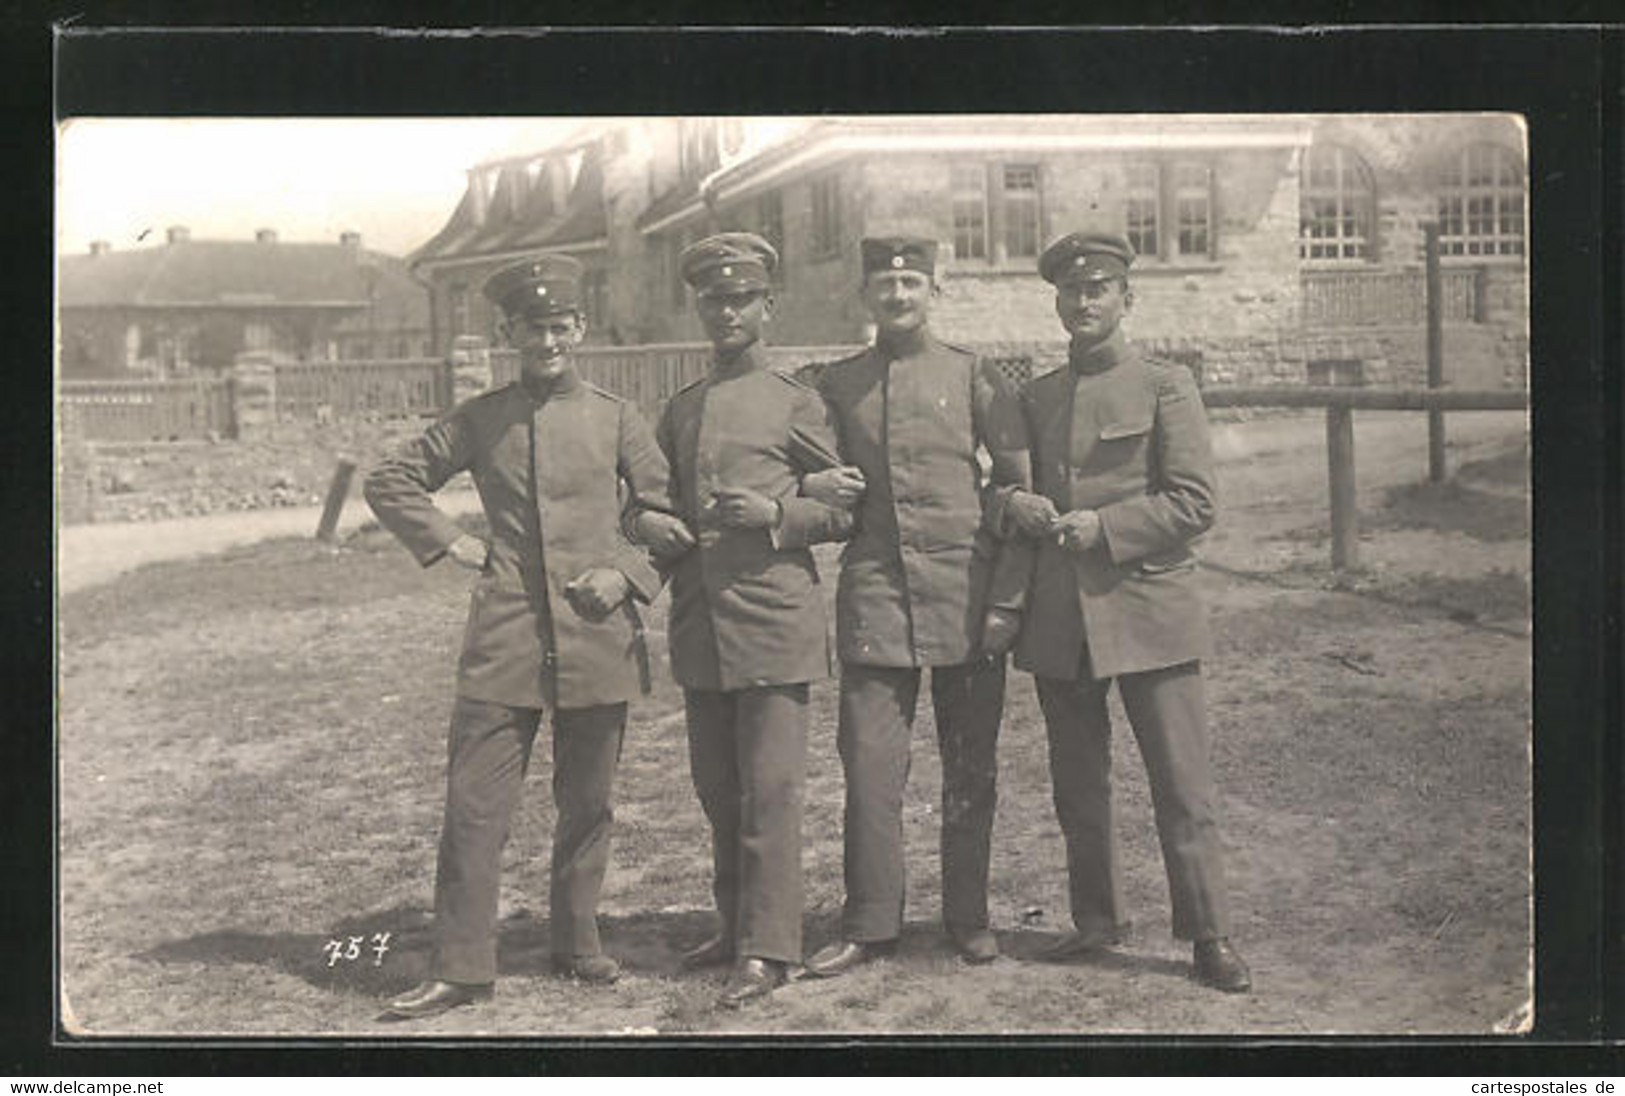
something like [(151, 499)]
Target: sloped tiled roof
[(534, 225), (227, 272)]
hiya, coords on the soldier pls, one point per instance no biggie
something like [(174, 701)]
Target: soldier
[(551, 626), (925, 582), (1123, 467), (748, 630)]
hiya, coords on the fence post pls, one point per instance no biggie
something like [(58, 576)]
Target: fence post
[(1340, 477), (337, 492), (1435, 302), (253, 396)]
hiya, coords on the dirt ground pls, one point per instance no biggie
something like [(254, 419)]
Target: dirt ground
[(251, 752)]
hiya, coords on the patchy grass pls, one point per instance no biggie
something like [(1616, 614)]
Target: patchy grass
[(251, 761)]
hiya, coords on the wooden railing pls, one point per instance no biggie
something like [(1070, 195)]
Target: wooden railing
[(1377, 298), (147, 410), (346, 389)]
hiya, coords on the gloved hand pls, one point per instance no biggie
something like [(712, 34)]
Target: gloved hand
[(594, 594), (1077, 530), (1033, 514), (838, 487), (469, 551), (665, 534)]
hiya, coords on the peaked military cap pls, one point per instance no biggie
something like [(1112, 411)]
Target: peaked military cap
[(729, 262), (899, 253), (1089, 256), (543, 285)]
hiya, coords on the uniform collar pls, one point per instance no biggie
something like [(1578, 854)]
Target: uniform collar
[(916, 342), (564, 384), (1101, 356), (749, 360)]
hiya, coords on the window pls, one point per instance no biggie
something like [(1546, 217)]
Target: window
[(969, 185), (595, 297), (1140, 209), (770, 219), (1481, 203), (997, 212), (697, 148), (457, 308), (674, 270), (1168, 209), (1021, 213), (826, 216), (1337, 202), (257, 336)]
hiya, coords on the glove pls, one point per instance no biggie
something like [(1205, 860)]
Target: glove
[(666, 535), (742, 508), (596, 593), (1077, 530), (469, 551), (837, 487), (999, 630), (1033, 514)]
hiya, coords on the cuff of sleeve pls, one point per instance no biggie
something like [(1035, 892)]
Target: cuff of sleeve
[(438, 535)]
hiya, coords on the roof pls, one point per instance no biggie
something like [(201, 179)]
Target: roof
[(247, 273), (521, 216)]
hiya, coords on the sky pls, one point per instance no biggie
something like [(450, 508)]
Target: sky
[(395, 181)]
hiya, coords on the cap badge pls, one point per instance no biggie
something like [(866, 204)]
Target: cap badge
[(541, 291), (897, 262), (727, 271)]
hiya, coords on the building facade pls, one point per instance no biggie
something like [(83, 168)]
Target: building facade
[(191, 306), (1267, 243)]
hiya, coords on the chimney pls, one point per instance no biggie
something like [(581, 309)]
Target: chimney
[(265, 235), (351, 240), (100, 247), (178, 234)]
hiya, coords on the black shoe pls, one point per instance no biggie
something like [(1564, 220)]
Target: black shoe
[(1081, 945), (1220, 966), (843, 955), (975, 946), (714, 952), (434, 997), (752, 978), (599, 970)]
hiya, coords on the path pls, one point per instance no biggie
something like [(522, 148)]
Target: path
[(1391, 447)]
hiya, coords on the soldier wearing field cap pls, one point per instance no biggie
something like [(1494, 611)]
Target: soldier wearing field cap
[(927, 581), (1124, 472), (552, 625), (748, 629)]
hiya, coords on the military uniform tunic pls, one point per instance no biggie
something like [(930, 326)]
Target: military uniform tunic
[(923, 565), (747, 608)]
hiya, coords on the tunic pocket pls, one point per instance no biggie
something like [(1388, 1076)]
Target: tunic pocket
[(1120, 430)]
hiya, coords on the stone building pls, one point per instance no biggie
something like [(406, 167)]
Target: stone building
[(1273, 249), (191, 306)]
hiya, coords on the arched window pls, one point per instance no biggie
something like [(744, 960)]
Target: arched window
[(1337, 205), (1481, 202)]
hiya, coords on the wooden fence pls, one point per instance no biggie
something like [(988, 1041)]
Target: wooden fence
[(345, 389), (147, 410), (1385, 298)]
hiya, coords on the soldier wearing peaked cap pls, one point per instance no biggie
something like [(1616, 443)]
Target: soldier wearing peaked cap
[(552, 625), (1125, 482), (928, 580), (748, 631)]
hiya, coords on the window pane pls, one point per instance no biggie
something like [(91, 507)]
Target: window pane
[(1141, 205), (1337, 203), (1021, 229), (968, 184)]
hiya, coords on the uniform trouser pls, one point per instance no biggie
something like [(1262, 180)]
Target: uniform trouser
[(1168, 712), (747, 751), (489, 752), (877, 716)]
